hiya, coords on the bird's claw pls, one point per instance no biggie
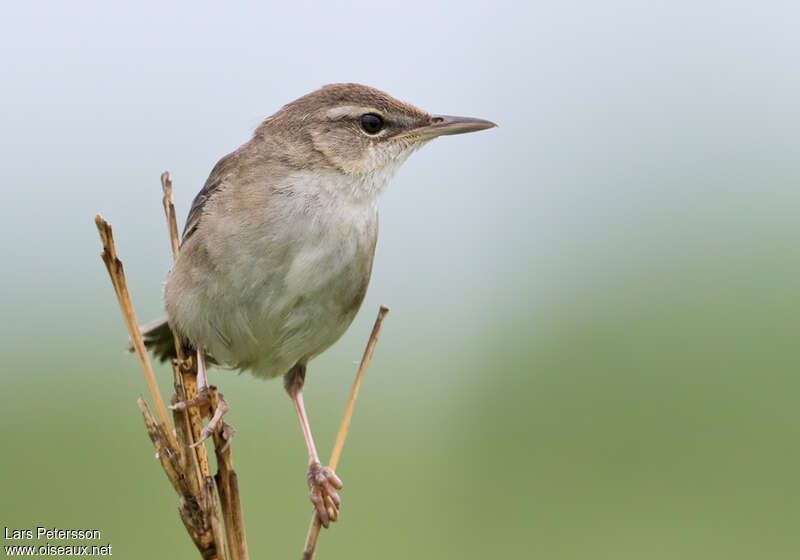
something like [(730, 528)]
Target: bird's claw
[(211, 427), (203, 398), (322, 484)]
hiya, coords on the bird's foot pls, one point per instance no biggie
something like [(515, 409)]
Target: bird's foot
[(203, 400), (227, 430), (323, 483)]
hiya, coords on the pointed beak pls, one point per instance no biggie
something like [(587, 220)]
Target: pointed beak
[(443, 125)]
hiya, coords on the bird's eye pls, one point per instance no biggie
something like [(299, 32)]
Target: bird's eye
[(371, 123)]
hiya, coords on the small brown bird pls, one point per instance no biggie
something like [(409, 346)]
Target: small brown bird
[(277, 250)]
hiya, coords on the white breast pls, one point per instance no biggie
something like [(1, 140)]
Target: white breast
[(295, 289)]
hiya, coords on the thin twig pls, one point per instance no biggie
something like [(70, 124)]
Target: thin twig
[(169, 210), (193, 501), (117, 274), (228, 484), (174, 240), (314, 527), (188, 368)]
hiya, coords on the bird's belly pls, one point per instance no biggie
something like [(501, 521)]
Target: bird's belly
[(265, 314), (321, 295)]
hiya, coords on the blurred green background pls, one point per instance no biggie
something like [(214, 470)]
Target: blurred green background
[(592, 350)]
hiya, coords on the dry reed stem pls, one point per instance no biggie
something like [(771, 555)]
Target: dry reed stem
[(315, 525), (169, 210), (228, 485), (197, 507), (117, 274), (187, 367)]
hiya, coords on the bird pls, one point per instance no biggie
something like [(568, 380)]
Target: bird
[(277, 251)]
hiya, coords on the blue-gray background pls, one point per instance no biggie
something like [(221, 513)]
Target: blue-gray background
[(592, 349)]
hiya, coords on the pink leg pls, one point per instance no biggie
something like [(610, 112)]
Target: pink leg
[(202, 385), (201, 369), (299, 406), (202, 399), (322, 482)]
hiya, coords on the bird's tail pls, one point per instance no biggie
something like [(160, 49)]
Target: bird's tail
[(158, 339)]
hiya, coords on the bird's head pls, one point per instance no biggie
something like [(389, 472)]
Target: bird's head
[(361, 131)]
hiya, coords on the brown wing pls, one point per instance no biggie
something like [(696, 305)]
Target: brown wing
[(215, 179)]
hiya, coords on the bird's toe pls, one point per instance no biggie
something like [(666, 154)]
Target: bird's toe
[(323, 484)]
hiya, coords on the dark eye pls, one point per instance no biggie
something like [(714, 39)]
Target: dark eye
[(371, 123)]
